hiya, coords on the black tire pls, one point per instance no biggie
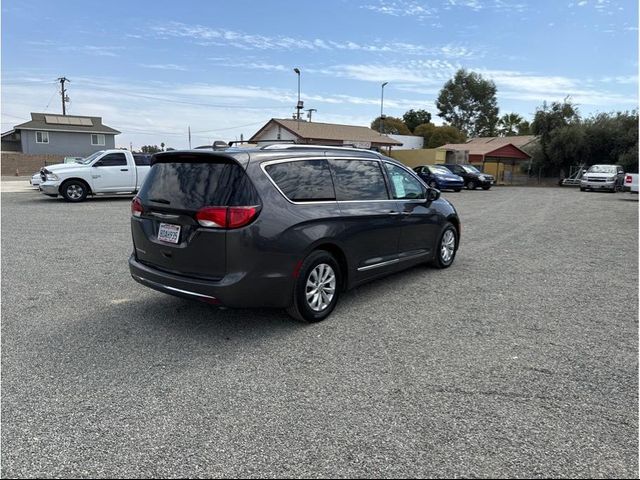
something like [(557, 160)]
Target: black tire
[(440, 261), (301, 308), (471, 185), (486, 187), (582, 189), (74, 191), (433, 184), (457, 189)]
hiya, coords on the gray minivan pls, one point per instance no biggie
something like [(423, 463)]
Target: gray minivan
[(285, 225)]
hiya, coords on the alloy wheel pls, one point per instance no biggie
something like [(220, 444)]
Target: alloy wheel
[(447, 246), (321, 287)]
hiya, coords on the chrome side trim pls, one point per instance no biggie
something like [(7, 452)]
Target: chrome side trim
[(378, 265), (164, 215), (304, 146), (414, 256), (391, 262), (173, 289)]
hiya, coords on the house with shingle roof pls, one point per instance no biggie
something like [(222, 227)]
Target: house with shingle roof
[(50, 134), (301, 131)]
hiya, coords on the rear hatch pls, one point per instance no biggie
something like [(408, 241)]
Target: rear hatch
[(185, 208)]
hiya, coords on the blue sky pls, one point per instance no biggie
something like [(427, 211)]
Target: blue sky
[(152, 68)]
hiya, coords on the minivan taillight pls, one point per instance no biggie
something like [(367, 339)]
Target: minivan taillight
[(628, 179), (136, 207), (226, 217)]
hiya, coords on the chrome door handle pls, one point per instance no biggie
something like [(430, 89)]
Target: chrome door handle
[(393, 213)]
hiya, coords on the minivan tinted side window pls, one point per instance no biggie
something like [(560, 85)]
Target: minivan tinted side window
[(403, 184), (358, 180), (303, 180)]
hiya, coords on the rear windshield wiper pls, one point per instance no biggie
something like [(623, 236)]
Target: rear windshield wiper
[(159, 200)]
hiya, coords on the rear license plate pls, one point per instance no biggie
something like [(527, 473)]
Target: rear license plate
[(169, 233)]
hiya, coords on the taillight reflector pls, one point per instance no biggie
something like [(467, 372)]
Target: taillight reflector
[(226, 217), (136, 207), (628, 179), (212, 217)]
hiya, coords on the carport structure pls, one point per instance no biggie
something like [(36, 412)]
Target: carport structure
[(494, 155)]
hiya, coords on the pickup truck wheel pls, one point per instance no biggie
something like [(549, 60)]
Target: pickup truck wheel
[(74, 191), (315, 293)]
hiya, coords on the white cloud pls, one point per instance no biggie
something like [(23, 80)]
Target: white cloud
[(165, 66), (402, 9), (207, 36), (102, 51)]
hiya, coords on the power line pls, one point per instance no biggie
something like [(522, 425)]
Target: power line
[(49, 102), (185, 102)]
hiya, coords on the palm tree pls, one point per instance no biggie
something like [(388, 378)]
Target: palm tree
[(509, 124)]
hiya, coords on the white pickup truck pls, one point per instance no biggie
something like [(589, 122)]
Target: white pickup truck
[(104, 172)]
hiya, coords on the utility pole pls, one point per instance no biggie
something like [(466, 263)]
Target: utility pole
[(189, 127), (63, 92), (309, 112)]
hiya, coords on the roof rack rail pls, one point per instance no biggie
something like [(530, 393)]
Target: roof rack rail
[(303, 146)]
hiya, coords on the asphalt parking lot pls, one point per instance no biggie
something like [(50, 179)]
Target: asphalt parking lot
[(521, 360)]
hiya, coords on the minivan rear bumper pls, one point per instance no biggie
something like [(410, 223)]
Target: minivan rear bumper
[(233, 290)]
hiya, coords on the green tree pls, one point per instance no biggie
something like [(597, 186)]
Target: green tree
[(567, 146), (392, 125), (435, 137), (566, 139), (510, 124), (468, 102), (413, 118), (545, 122), (149, 149), (524, 128)]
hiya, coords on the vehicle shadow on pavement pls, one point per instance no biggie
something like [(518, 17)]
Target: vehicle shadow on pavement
[(182, 315)]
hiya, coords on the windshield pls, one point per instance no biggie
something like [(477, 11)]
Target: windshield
[(440, 170), (90, 158), (470, 169), (603, 169)]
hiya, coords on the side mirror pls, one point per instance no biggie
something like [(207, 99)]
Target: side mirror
[(433, 194), (584, 171)]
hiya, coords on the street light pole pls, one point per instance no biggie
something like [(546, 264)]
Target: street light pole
[(381, 108)]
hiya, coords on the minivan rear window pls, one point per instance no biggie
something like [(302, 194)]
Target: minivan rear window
[(191, 186), (303, 180)]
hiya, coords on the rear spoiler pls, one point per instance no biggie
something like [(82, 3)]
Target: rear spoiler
[(200, 156)]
